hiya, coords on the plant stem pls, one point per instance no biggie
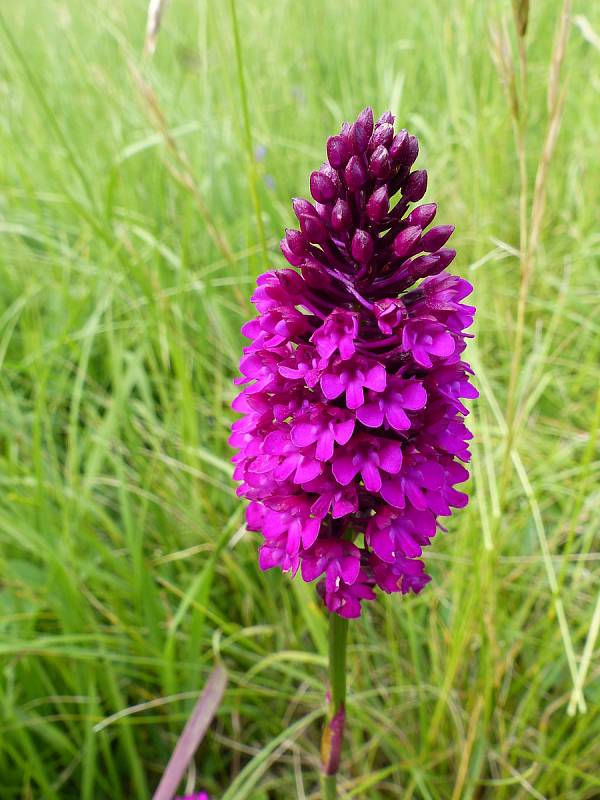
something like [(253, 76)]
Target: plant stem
[(530, 231), (333, 733), (329, 787)]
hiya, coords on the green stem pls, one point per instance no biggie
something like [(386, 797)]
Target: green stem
[(333, 732), (329, 787), (338, 635)]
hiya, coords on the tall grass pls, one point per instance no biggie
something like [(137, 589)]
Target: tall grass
[(134, 195)]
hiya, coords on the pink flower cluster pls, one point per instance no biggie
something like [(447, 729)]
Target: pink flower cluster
[(352, 437)]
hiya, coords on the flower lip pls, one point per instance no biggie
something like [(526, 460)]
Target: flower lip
[(352, 377)]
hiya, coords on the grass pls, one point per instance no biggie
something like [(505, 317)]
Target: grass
[(134, 215)]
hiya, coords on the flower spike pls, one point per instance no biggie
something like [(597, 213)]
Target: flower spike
[(353, 436)]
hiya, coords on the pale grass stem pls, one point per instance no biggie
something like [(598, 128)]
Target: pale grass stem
[(552, 579), (588, 652), (156, 9), (252, 173), (530, 225), (181, 170)]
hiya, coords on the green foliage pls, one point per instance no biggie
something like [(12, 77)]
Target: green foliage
[(126, 263)]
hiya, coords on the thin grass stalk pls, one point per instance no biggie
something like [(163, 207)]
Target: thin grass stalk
[(252, 173), (529, 232), (583, 487), (586, 659), (520, 118), (559, 608), (183, 173)]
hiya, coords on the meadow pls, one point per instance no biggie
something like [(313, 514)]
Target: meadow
[(140, 196)]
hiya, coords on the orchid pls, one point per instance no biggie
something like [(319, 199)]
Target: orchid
[(353, 437)]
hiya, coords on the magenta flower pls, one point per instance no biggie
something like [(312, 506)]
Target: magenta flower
[(351, 378), (197, 796), (338, 332), (352, 437), (392, 405), (337, 558)]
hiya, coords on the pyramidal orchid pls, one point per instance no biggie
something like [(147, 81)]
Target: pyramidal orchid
[(352, 439)]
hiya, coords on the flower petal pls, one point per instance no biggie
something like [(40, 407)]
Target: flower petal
[(390, 457), (308, 469), (331, 385), (414, 395), (371, 414), (342, 431), (443, 345), (310, 531), (355, 395), (304, 434), (392, 492), (371, 477), (324, 449), (349, 568), (375, 378), (311, 568), (396, 416), (344, 469)]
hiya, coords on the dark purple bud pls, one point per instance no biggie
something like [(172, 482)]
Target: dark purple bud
[(405, 241), (362, 247), (378, 204), (322, 188), (436, 238), (290, 280), (338, 152), (295, 242), (382, 135), (415, 186), (341, 216), (315, 275), (302, 208), (446, 257), (313, 229), (399, 179), (422, 215), (413, 150), (424, 266), (290, 256), (345, 131), (324, 212), (361, 131), (399, 146), (355, 174), (387, 118), (379, 165), (331, 173)]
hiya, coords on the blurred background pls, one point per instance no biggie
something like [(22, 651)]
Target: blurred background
[(140, 196)]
